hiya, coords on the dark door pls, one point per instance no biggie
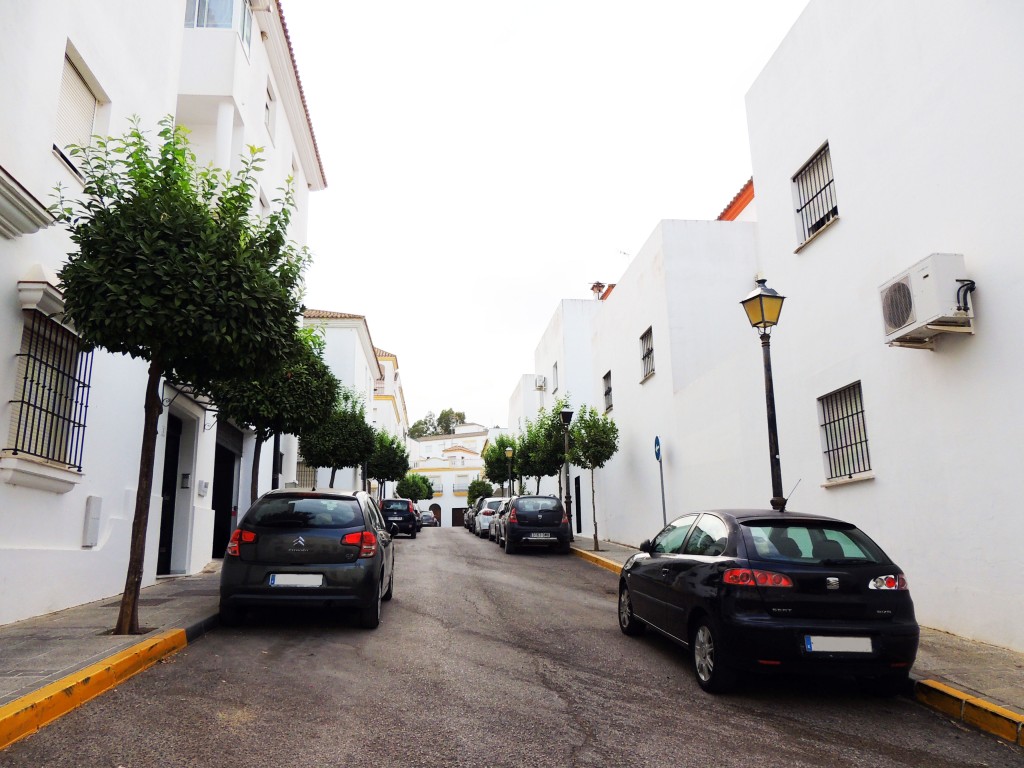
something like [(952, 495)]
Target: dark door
[(168, 492), (223, 498), (458, 516)]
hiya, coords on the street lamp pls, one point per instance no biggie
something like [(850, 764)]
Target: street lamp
[(508, 455), (763, 307), (566, 419)]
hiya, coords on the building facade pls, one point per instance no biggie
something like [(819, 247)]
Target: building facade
[(67, 486)]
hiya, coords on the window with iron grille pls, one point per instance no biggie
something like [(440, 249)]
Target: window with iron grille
[(647, 352), (305, 476), (816, 194), (608, 391), (844, 433), (52, 395)]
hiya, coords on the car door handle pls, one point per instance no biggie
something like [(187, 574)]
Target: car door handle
[(665, 571)]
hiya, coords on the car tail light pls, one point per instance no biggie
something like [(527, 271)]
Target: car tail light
[(748, 577), (366, 540), (512, 516), (565, 518), (239, 537), (488, 512), (893, 582)]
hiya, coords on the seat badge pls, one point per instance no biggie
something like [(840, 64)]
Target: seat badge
[(831, 582)]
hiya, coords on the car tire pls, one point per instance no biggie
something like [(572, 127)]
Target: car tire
[(482, 533), (510, 548), (628, 622), (413, 534), (715, 674), (391, 586), (564, 549), (369, 615), (231, 615)]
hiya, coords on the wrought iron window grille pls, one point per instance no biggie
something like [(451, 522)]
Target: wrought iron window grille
[(844, 433), (816, 194)]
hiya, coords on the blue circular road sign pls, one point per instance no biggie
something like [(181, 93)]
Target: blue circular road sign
[(657, 448)]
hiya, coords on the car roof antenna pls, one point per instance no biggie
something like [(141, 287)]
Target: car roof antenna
[(785, 501)]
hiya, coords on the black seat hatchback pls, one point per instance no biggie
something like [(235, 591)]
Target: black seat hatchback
[(773, 592), (317, 549)]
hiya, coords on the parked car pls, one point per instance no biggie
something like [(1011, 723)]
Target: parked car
[(428, 520), (468, 518), (777, 592), (330, 549), (494, 528), (402, 512), (534, 521), (488, 508)]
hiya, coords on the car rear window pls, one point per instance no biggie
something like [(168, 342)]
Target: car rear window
[(494, 504), (291, 512), (812, 543), (536, 505), (396, 505)]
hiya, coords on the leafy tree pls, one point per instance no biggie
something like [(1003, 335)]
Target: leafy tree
[(171, 268), (342, 440), (542, 445), (594, 440), (448, 420), (423, 427), (495, 462), (479, 488), (414, 486), (294, 399), (390, 460)]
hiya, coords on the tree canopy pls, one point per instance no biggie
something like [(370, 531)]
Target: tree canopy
[(594, 440), (389, 461), (542, 445), (479, 488), (342, 440), (171, 267), (495, 461), (443, 424), (414, 486)]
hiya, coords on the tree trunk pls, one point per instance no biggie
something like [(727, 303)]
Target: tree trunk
[(128, 616), (333, 471), (593, 504), (254, 483)]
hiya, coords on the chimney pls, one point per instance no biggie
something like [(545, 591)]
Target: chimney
[(597, 289)]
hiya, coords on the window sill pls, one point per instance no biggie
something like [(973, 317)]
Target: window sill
[(816, 235), (20, 212), (848, 480), (645, 378), (32, 472)]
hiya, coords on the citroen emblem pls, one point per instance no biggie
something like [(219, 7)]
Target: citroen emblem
[(299, 542), (832, 583)]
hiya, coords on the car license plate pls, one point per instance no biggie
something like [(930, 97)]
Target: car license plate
[(296, 579), (823, 644), (540, 535), (395, 519)]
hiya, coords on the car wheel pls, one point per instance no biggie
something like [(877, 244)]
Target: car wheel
[(391, 586), (510, 548), (369, 615), (482, 534), (710, 663), (564, 549), (413, 534), (231, 615), (628, 622)]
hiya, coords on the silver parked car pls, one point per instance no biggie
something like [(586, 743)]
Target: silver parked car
[(484, 516)]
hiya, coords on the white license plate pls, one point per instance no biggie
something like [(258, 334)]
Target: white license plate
[(822, 644), (394, 519), (540, 535), (296, 580)]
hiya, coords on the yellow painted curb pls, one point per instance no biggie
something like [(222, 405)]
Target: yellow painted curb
[(610, 565), (31, 712), (972, 710)]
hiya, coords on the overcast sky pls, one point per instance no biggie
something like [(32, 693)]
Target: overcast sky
[(485, 160)]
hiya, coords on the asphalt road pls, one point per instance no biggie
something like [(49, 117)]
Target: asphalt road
[(481, 659)]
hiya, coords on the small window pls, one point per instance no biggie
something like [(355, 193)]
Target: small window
[(815, 194), (672, 537), (608, 391), (554, 378), (48, 414), (208, 14), (647, 353), (844, 433), (76, 112), (269, 111)]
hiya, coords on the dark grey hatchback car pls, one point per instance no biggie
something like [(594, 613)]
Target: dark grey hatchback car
[(532, 521), (773, 592), (316, 549)]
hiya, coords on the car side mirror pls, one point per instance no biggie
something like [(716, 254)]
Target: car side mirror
[(646, 546)]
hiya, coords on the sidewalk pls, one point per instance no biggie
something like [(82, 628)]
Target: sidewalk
[(51, 664)]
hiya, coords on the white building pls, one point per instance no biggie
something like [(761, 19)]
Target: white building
[(71, 70), (451, 463), (389, 410), (352, 358), (864, 165)]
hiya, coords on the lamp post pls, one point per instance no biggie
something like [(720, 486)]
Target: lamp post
[(566, 419), (763, 307), (508, 455)]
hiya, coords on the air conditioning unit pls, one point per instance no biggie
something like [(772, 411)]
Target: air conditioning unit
[(540, 382), (928, 299)]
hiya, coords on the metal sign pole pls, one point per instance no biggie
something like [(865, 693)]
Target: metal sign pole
[(661, 472)]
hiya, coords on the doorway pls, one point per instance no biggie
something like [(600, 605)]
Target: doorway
[(168, 493)]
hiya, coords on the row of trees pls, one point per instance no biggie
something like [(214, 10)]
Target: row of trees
[(539, 451), (172, 268)]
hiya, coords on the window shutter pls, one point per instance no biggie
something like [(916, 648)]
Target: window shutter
[(75, 110)]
